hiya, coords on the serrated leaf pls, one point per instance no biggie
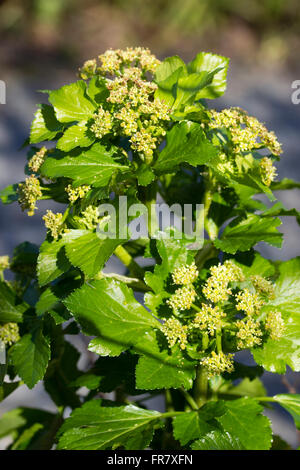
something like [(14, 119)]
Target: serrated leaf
[(166, 77), (275, 355), (190, 426), (243, 420), (188, 87), (71, 102), (186, 142), (45, 126), (76, 136), (46, 302), (173, 253), (252, 263), (93, 427), (205, 61), (284, 184), (90, 253), (108, 309), (9, 194), (108, 373), (57, 379), (93, 167), (11, 306), (158, 369), (242, 234), (218, 440), (291, 402), (30, 357), (105, 347)]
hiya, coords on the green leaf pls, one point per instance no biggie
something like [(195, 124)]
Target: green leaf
[(186, 142), (275, 355), (58, 378), (278, 210), (52, 261), (109, 373), (46, 302), (71, 102), (9, 194), (15, 422), (252, 263), (285, 183), (93, 427), (166, 77), (105, 347), (218, 440), (30, 357), (190, 426), (94, 166), (242, 234), (247, 388), (189, 86), (243, 420), (173, 253), (45, 126), (90, 253), (208, 62), (11, 306), (108, 309), (158, 369), (76, 136), (145, 175), (291, 402)]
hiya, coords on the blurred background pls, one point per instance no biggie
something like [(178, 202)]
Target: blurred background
[(43, 42)]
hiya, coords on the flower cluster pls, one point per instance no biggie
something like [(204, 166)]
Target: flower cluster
[(53, 222), (216, 288), (249, 333), (263, 286), (175, 331), (185, 275), (130, 110), (232, 305), (218, 363), (29, 192), (209, 319), (102, 123), (37, 160), (275, 325), (250, 303), (247, 134), (182, 299), (267, 171), (9, 333), (90, 217), (77, 193), (246, 131)]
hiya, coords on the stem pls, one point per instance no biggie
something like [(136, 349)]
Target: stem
[(201, 386), (168, 400), (150, 203), (219, 340), (189, 399), (129, 262)]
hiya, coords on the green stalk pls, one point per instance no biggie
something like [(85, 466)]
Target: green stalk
[(129, 262), (189, 399), (219, 340), (150, 201), (201, 386)]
